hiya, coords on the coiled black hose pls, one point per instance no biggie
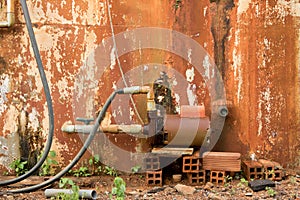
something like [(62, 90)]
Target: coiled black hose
[(48, 99), (79, 154)]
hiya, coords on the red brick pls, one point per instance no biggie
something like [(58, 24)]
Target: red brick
[(197, 178), (191, 164), (253, 170), (154, 178), (217, 177)]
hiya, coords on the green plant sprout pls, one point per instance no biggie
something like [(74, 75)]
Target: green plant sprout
[(81, 172), (243, 182), (20, 167), (95, 163), (119, 188), (135, 169), (228, 179), (271, 192), (48, 165), (66, 183), (110, 171)]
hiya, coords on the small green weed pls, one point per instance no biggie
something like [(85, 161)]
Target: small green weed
[(81, 172), (48, 165), (271, 192), (110, 171), (95, 163), (135, 169), (270, 173), (119, 188), (228, 179), (243, 182), (292, 180), (20, 167), (66, 183)]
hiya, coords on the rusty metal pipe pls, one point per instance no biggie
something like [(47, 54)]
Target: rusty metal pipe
[(68, 127), (10, 15)]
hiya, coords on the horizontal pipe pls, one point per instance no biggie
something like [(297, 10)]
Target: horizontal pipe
[(136, 90), (68, 127), (10, 15), (86, 194)]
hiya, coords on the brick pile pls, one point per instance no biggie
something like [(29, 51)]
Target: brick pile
[(191, 165), (219, 164), (154, 176), (262, 169)]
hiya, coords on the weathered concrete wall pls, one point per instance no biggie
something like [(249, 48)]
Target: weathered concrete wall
[(255, 45)]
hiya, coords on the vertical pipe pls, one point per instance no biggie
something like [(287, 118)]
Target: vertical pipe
[(10, 15)]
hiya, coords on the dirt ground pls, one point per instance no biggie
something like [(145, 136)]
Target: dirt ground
[(136, 188)]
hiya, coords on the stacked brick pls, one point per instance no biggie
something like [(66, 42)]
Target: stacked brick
[(154, 176), (191, 165), (272, 170), (219, 164), (262, 169), (214, 167)]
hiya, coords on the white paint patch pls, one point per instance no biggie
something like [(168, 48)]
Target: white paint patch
[(205, 10), (4, 89), (190, 74), (33, 120), (191, 94), (243, 6), (53, 14), (131, 114), (9, 149), (174, 82), (259, 119), (63, 88), (279, 12), (11, 117), (146, 68), (189, 55), (112, 58), (114, 86), (237, 61), (177, 100), (291, 7), (207, 66)]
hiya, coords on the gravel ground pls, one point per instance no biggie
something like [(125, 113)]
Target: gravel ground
[(136, 189)]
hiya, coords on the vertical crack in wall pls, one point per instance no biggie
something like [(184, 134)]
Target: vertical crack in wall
[(220, 29)]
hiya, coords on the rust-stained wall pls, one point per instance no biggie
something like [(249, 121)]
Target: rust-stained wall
[(255, 45)]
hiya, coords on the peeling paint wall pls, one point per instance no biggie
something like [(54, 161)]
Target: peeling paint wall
[(255, 46)]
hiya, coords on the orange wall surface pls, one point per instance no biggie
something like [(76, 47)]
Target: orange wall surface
[(255, 45)]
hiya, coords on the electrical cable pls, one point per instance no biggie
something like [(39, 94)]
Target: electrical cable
[(48, 100), (89, 139), (85, 146), (118, 60)]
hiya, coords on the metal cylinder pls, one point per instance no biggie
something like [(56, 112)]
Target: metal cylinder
[(87, 194), (184, 131)]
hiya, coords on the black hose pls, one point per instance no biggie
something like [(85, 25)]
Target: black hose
[(48, 99), (86, 144)]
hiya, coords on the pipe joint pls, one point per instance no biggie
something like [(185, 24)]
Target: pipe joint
[(10, 15)]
